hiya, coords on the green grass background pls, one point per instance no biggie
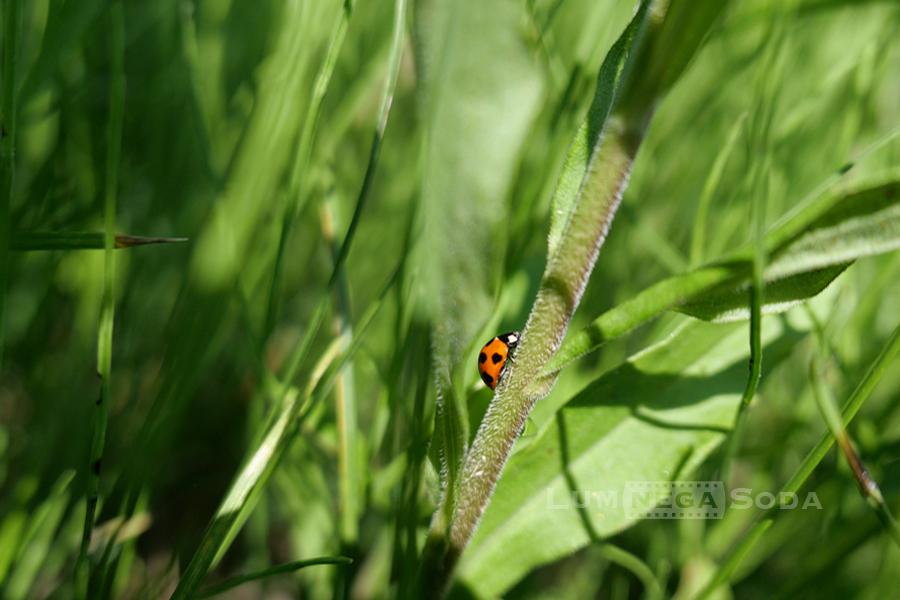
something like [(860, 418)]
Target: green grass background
[(217, 94)]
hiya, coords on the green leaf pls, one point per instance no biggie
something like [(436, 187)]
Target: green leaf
[(815, 244), (655, 418), (865, 222), (731, 303)]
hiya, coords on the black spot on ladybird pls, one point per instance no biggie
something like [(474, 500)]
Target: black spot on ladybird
[(481, 358), (487, 379), (496, 358)]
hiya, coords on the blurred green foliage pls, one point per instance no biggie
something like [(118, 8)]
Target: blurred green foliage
[(486, 106)]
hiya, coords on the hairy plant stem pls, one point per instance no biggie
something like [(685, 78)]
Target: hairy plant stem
[(662, 48)]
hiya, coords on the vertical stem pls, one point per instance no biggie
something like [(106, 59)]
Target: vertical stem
[(12, 23), (344, 402), (105, 335)]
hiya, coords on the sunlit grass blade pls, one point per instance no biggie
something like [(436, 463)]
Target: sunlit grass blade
[(344, 403), (37, 539), (299, 352), (248, 483), (258, 467), (286, 568), (107, 308), (301, 158), (79, 240)]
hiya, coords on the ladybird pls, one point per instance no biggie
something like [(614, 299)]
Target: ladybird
[(494, 355)]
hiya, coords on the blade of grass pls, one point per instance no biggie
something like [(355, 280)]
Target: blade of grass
[(710, 186), (105, 334), (37, 541), (12, 24), (815, 456), (290, 567), (302, 348), (79, 240), (245, 489)]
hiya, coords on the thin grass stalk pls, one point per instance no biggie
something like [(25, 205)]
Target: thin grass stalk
[(107, 308), (815, 456), (868, 487), (296, 358), (760, 145), (245, 488), (12, 25), (344, 403), (757, 292)]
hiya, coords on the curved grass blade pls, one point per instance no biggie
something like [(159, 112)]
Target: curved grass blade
[(290, 567)]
